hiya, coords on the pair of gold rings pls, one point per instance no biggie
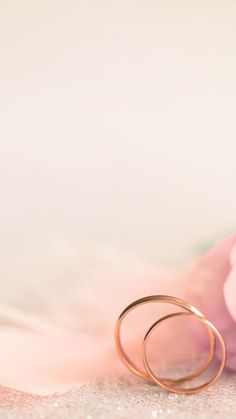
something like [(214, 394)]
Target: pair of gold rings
[(172, 385)]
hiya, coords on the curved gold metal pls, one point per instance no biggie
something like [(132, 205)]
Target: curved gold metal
[(166, 385), (169, 300)]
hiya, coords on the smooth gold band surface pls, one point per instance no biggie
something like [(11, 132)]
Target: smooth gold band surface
[(164, 383), (147, 373)]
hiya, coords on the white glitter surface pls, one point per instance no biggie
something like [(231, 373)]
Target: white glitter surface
[(130, 400)]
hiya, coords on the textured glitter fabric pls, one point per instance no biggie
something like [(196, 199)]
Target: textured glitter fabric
[(130, 400)]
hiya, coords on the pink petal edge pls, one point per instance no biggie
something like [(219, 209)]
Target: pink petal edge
[(230, 285)]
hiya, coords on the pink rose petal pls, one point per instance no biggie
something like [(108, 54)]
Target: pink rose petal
[(212, 288)]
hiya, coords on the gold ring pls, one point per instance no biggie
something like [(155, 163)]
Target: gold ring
[(170, 300), (164, 383)]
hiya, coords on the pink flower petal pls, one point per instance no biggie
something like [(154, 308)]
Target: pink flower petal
[(230, 286), (206, 291)]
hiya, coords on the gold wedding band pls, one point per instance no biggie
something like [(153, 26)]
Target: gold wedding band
[(163, 383), (147, 373)]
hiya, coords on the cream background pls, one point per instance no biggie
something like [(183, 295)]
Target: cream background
[(117, 127)]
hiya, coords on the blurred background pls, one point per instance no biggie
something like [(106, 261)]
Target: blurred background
[(117, 129)]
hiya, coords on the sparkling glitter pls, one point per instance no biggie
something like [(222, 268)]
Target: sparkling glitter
[(137, 400)]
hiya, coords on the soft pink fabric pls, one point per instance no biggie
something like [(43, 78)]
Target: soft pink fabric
[(74, 343), (212, 288), (71, 341)]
